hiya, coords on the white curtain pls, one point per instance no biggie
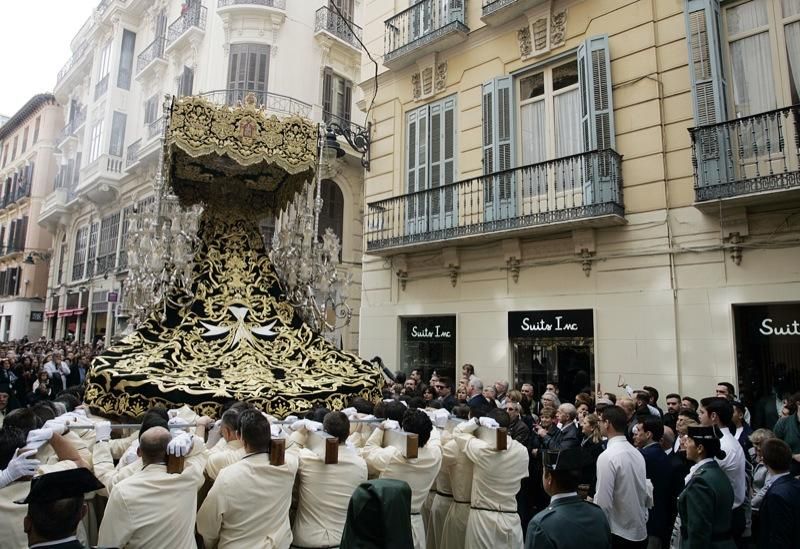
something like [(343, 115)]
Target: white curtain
[(792, 33), (753, 81), (534, 151), (569, 140), (790, 7)]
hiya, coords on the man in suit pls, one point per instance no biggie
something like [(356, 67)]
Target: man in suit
[(647, 437), (779, 513), (567, 434), (56, 507), (475, 393), (444, 388), (568, 521)]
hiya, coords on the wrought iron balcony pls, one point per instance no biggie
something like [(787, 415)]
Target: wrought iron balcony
[(278, 4), (580, 190), (749, 157), (152, 52), (193, 18), (78, 119), (77, 57), (155, 127), (334, 24), (133, 153), (272, 102), (497, 12), (425, 27), (101, 88)]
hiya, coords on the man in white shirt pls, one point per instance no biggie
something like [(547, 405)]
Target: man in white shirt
[(229, 449), (419, 472), (155, 508), (622, 483), (58, 370), (719, 411), (324, 491), (248, 506)]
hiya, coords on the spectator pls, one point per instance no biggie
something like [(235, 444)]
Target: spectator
[(517, 428), (691, 403), (760, 471), (550, 400), (647, 438), (740, 428), (444, 389), (461, 395), (41, 387), (592, 447), (780, 510), (673, 407), (788, 430), (621, 483), (501, 392), (490, 395), (475, 392), (566, 434), (428, 395)]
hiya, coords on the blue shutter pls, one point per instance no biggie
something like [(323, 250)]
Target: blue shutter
[(597, 116), (498, 148)]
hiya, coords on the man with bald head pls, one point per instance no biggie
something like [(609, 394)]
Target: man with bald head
[(567, 434), (154, 508)]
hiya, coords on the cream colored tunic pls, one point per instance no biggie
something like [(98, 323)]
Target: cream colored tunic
[(460, 469), (104, 469), (153, 508), (419, 473), (222, 455), (248, 506), (323, 494), (442, 500), (493, 519)]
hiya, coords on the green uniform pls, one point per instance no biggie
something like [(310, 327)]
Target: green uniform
[(568, 523), (705, 509)]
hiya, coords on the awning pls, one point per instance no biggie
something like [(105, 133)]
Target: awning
[(71, 312), (50, 314)]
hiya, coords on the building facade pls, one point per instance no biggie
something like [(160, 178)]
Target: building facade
[(295, 57), (574, 191), (27, 167)]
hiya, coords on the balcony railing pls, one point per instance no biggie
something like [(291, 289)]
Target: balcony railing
[(152, 52), (101, 88), (279, 4), (23, 190), (574, 188), (72, 126), (155, 127), (421, 24), (133, 153), (195, 16), (81, 50), (269, 101), (748, 155), (330, 21)]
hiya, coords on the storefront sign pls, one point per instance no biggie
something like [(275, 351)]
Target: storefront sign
[(112, 297), (37, 316), (430, 329), (770, 327), (568, 323)]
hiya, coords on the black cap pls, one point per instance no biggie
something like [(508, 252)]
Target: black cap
[(71, 483), (568, 459), (700, 432)]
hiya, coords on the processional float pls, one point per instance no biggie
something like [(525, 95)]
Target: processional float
[(217, 313)]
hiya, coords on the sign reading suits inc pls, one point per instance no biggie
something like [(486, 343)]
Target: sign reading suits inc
[(438, 328), (566, 323)]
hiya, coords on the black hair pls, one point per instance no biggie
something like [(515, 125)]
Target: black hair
[(500, 416), (480, 410), (674, 395), (158, 411), (11, 439), (57, 519), (317, 414), (652, 391), (418, 422), (720, 406), (337, 425), (712, 447), (254, 429), (23, 419), (777, 455), (693, 402), (400, 377), (362, 405), (461, 411), (617, 417), (416, 402), (567, 480), (230, 418), (691, 414), (44, 410), (394, 410), (69, 400), (729, 386), (153, 418), (435, 404), (654, 426)]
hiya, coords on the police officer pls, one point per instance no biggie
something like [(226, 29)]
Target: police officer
[(568, 521), (56, 506)]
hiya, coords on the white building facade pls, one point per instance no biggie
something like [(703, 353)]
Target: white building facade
[(296, 57)]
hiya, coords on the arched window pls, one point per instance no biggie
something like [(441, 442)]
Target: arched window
[(332, 214)]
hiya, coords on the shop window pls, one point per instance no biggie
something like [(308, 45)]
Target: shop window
[(428, 343)]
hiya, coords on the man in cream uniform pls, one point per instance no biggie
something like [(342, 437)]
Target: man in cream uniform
[(324, 491), (493, 519), (154, 508), (248, 506), (419, 473), (229, 449)]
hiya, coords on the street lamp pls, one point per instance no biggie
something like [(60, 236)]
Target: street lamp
[(33, 255)]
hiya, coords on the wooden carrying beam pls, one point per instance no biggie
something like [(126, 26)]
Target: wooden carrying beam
[(325, 446), (407, 443), (495, 437), (277, 452)]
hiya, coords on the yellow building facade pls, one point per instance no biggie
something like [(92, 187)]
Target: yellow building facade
[(575, 190)]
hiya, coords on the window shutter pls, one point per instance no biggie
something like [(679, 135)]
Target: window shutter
[(448, 158), (76, 171), (436, 167), (125, 69), (597, 107), (498, 147), (12, 236), (22, 233), (348, 100), (417, 175), (504, 134), (488, 127), (117, 143), (327, 94), (2, 240)]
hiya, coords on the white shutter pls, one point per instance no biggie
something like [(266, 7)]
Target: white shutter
[(436, 145), (448, 159), (498, 147), (417, 173)]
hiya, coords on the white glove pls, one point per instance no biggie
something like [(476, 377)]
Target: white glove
[(488, 422), (439, 417), (390, 425), (56, 425), (467, 426), (275, 430), (19, 466), (214, 434), (290, 420), (130, 454), (40, 435), (79, 412), (349, 412), (313, 426), (102, 431), (180, 445), (172, 413), (366, 417)]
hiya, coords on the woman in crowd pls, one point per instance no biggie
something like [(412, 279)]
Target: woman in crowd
[(760, 473), (550, 400), (41, 388), (461, 395), (788, 429), (428, 394), (592, 447), (705, 505)]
